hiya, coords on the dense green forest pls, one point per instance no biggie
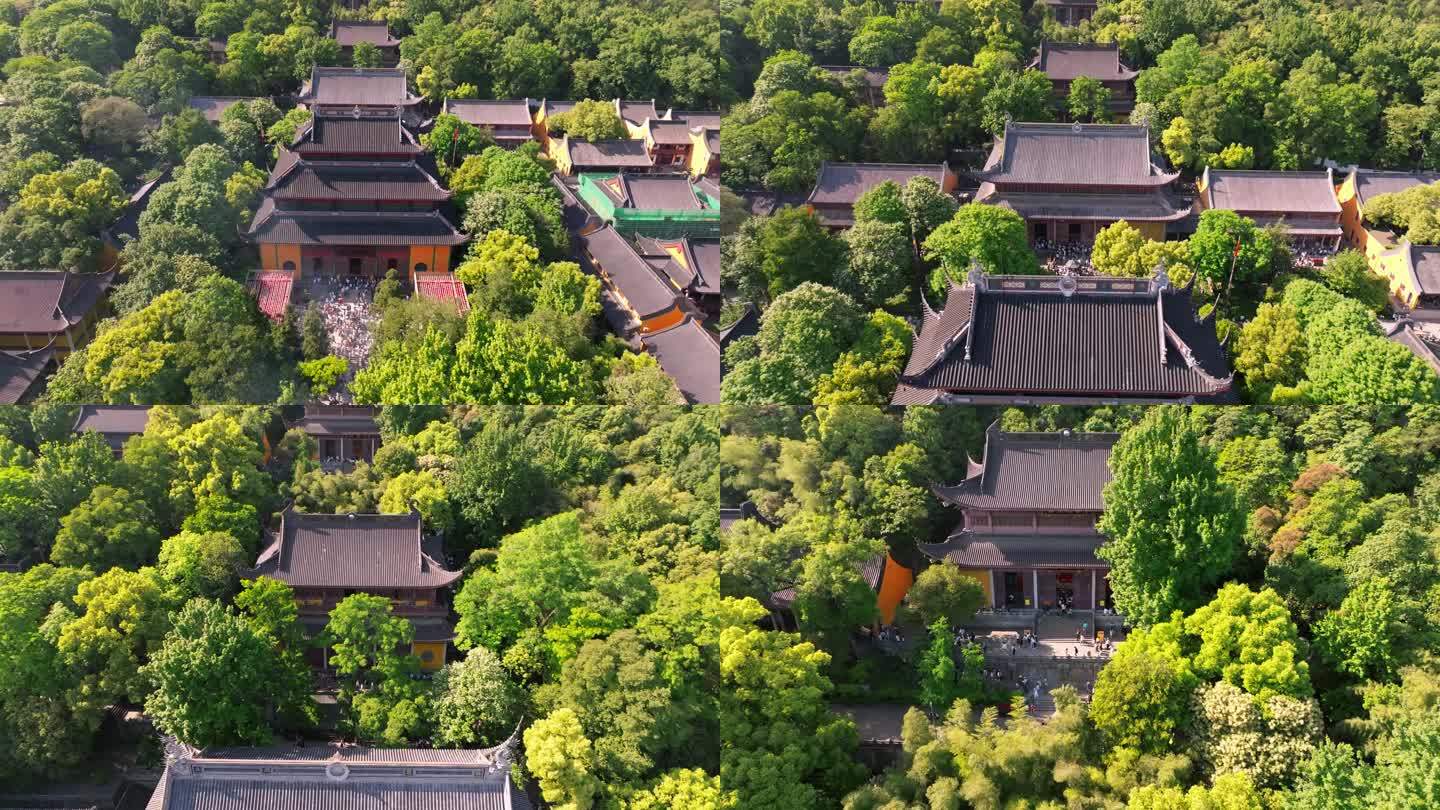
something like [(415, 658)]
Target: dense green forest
[(1281, 568), (589, 606), (1229, 85)]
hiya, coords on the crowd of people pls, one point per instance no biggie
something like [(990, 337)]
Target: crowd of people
[(1070, 257), (349, 327), (1314, 254)]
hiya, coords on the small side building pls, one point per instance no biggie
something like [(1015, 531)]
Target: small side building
[(115, 423), (691, 265), (840, 185), (508, 120), (690, 354), (1095, 340), (1064, 62), (648, 299), (1413, 273), (51, 309), (349, 33), (1362, 185), (343, 434), (658, 205), (575, 156), (1072, 12), (1303, 202), (326, 558)]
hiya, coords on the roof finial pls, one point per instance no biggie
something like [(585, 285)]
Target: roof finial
[(976, 275), (1162, 278)]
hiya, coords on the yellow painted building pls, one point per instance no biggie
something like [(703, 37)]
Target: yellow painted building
[(51, 308)]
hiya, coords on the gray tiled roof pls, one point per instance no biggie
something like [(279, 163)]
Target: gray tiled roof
[(42, 302), (622, 153), (1294, 193), (1026, 551), (1065, 61), (343, 86), (657, 192), (347, 420), (20, 371), (112, 419), (702, 119), (319, 179), (213, 106), (700, 271), (634, 278), (1155, 205), (637, 111), (351, 551), (1426, 261), (1049, 472), (1024, 336), (491, 112), (350, 33), (334, 777), (844, 183), (1370, 183), (691, 357), (352, 227), (1074, 154), (341, 134), (670, 132)]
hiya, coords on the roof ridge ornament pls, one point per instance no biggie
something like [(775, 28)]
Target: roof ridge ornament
[(1077, 127), (1067, 284)]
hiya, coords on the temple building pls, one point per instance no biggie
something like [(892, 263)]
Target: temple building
[(841, 184), (640, 298), (337, 776), (1095, 340), (1072, 12), (635, 113), (574, 156), (1065, 62), (508, 121), (704, 151), (343, 89), (1358, 188), (326, 558), (668, 143), (660, 205), (116, 424), (349, 33), (1029, 509), (691, 265), (690, 354), (1413, 273), (22, 374), (343, 434), (52, 309), (212, 107), (354, 196), (869, 81), (1068, 181), (1303, 202)]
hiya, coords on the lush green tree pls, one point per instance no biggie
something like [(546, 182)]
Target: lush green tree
[(69, 471), (1089, 100), (453, 140), (562, 760), (992, 237), (879, 263), (795, 249), (268, 606), (477, 702), (884, 204), (122, 618), (803, 333), (687, 787), (1170, 522), (1373, 370), (588, 120), (56, 221), (1121, 250), (27, 520), (109, 528), (196, 196), (937, 668), (945, 592), (1360, 637), (772, 694), (212, 676), (1142, 696), (365, 639), (1213, 249), (166, 257), (1248, 639), (1348, 273), (927, 207), (1271, 351), (203, 564)]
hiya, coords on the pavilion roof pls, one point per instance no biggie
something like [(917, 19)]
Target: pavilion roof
[(1074, 155), (350, 33), (296, 177), (1046, 336), (364, 87), (1067, 60), (351, 551), (1036, 472), (355, 133)]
